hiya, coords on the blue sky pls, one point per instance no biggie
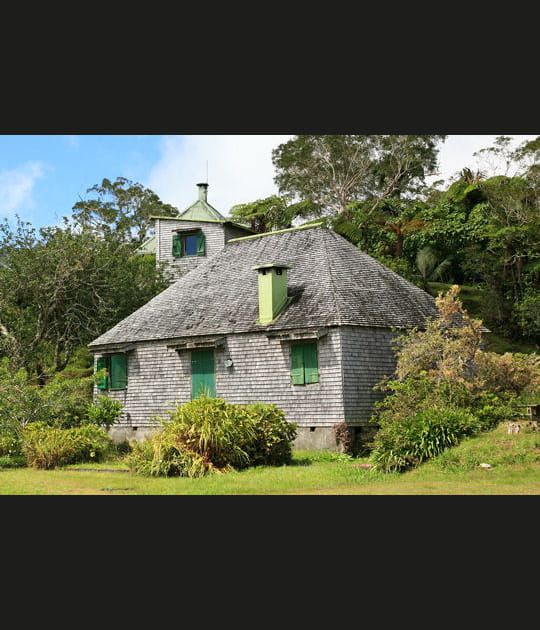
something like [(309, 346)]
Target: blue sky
[(42, 176)]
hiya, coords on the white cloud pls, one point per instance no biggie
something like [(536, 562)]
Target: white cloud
[(16, 187), (72, 141), (240, 169)]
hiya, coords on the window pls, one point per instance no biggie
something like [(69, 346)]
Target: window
[(189, 244), (304, 368), (116, 377)]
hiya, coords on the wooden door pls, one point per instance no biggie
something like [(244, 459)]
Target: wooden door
[(203, 380)]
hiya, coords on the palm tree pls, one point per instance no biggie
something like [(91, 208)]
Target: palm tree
[(427, 262)]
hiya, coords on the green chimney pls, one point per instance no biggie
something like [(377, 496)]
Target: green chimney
[(203, 192), (272, 291)]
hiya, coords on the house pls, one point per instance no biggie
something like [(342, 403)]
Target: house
[(300, 318)]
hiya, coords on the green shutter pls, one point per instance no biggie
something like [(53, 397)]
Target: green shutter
[(102, 365), (200, 244), (297, 365), (118, 371), (310, 363), (177, 245)]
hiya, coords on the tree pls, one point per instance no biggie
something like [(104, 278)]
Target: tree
[(61, 287), (271, 213), (121, 207), (334, 171), (429, 265)]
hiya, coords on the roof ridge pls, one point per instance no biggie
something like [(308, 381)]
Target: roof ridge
[(334, 292), (294, 229)]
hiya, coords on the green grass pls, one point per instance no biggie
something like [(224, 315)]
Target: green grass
[(515, 460)]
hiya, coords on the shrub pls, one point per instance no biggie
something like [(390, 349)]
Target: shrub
[(272, 445), (408, 441), (12, 461), (209, 435), (10, 443), (104, 411), (343, 434), (45, 447), (492, 410), (445, 387), (62, 402)]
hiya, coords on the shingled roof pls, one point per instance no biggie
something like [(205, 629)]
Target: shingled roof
[(331, 282)]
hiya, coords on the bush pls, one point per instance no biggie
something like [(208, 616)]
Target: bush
[(45, 447), (408, 441), (274, 435), (104, 411), (209, 435), (492, 410), (446, 387), (12, 461), (62, 402), (10, 443)]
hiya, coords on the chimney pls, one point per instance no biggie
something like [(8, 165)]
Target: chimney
[(203, 192), (272, 291)]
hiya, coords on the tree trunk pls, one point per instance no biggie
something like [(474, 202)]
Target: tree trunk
[(399, 243)]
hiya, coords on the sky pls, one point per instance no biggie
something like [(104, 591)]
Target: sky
[(43, 176)]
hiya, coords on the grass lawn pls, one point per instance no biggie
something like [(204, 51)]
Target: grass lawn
[(515, 460)]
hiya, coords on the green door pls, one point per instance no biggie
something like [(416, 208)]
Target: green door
[(202, 374)]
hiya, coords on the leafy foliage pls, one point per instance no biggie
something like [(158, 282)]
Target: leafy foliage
[(46, 447), (209, 435), (60, 288), (272, 213), (446, 387), (333, 171), (62, 403), (407, 441), (122, 208), (104, 411)]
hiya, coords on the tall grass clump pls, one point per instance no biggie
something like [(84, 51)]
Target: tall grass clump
[(410, 440), (209, 435)]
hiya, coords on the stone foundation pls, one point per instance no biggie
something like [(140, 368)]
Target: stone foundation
[(307, 438)]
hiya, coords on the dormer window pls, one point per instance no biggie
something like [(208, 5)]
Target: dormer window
[(188, 243)]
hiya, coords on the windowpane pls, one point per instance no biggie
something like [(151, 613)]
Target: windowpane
[(190, 245), (118, 371)]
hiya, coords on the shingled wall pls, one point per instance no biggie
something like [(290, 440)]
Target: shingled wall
[(368, 357), (160, 377), (351, 361), (215, 242), (216, 235)]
